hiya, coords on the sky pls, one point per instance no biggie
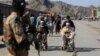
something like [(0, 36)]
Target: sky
[(85, 3)]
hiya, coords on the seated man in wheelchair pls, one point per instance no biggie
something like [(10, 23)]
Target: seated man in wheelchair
[(68, 35)]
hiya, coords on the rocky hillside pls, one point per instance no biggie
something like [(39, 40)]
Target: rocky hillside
[(63, 8), (41, 5), (59, 7)]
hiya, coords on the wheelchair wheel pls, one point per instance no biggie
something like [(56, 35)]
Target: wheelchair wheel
[(71, 48)]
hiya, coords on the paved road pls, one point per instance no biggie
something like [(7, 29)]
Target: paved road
[(86, 42)]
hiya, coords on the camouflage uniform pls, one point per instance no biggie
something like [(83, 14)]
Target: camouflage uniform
[(14, 36)]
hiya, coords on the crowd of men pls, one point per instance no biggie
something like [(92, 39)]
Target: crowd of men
[(19, 24)]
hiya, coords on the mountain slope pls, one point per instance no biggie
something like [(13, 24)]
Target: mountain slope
[(57, 7)]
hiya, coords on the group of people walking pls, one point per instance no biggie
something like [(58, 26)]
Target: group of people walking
[(20, 29)]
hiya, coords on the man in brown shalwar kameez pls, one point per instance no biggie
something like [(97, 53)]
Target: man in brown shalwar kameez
[(14, 36)]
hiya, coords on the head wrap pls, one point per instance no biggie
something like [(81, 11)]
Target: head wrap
[(19, 6)]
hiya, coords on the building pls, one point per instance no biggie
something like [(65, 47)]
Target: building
[(94, 12), (6, 10)]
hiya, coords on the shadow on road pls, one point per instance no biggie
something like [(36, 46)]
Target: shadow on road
[(82, 49), (2, 46), (86, 49), (54, 48), (55, 36)]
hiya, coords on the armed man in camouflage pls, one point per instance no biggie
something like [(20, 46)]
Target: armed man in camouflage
[(14, 36)]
